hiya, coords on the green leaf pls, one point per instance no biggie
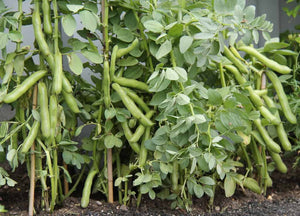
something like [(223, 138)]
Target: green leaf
[(126, 62), (93, 56), (255, 35), (203, 36), (3, 40), (109, 113), (3, 129), (67, 157), (182, 99), (207, 180), (10, 182), (208, 191), (19, 64), (130, 21), (198, 190), (164, 168), (171, 74), (15, 36), (176, 30), (229, 186), (36, 115), (2, 209), (77, 44), (214, 97), (89, 20), (164, 49), (249, 13), (78, 130), (154, 26), (11, 154), (69, 24), (274, 46), (118, 181), (181, 73), (74, 7), (151, 194), (125, 35), (110, 141), (75, 63), (185, 43)]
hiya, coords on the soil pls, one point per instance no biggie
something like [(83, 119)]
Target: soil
[(282, 199)]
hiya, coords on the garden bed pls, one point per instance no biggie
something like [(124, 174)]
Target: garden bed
[(282, 199)]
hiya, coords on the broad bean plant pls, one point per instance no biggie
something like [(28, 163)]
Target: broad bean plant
[(179, 101)]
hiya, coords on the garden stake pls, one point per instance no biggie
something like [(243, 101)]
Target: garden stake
[(32, 165)]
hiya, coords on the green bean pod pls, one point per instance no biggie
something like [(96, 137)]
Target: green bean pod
[(53, 116), (282, 135), (66, 85), (143, 151), (269, 116), (71, 102), (44, 109), (39, 35), (28, 142), (57, 74), (235, 61), (24, 86), (140, 129), (250, 183), (47, 17), (137, 99), (281, 167), (132, 83), (123, 51), (241, 80), (113, 58), (273, 146), (106, 84), (131, 106), (128, 134), (283, 69), (282, 97), (85, 199)]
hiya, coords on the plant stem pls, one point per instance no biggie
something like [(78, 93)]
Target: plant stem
[(117, 155), (20, 9), (75, 185), (144, 41), (32, 159)]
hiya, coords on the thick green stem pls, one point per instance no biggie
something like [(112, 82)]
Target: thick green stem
[(20, 9), (117, 156), (125, 193), (144, 41), (75, 185), (51, 175)]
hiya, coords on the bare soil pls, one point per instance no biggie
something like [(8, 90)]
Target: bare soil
[(282, 199)]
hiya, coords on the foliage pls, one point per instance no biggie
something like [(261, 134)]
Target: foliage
[(164, 100)]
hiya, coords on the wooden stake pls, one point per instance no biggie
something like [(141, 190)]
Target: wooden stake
[(110, 176), (32, 164)]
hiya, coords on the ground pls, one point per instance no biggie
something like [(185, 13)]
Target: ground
[(282, 199)]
